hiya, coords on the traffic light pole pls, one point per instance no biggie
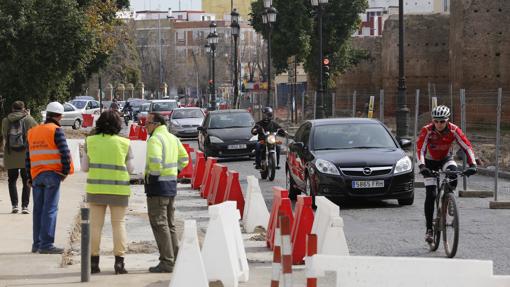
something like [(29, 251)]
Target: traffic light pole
[(320, 91)]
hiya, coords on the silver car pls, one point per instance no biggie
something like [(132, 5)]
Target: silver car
[(184, 121), (72, 116)]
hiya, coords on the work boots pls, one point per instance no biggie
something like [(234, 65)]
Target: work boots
[(94, 264), (119, 265)]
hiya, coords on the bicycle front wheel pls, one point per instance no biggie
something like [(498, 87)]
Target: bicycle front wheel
[(450, 225)]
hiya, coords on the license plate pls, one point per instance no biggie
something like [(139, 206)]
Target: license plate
[(236, 146), (368, 184)]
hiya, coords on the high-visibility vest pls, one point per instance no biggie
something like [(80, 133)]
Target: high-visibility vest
[(107, 165), (44, 153), (165, 153)]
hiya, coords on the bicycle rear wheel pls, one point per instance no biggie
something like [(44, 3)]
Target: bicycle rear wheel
[(451, 225)]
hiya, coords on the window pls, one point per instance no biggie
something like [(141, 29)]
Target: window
[(68, 108)]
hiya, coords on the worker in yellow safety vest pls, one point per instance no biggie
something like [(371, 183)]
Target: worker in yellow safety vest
[(108, 160), (165, 156)]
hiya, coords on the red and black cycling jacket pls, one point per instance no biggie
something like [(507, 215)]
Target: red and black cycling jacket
[(435, 145)]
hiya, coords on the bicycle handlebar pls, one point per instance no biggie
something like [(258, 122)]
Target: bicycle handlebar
[(448, 172)]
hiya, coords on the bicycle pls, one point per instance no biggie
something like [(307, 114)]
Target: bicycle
[(447, 214)]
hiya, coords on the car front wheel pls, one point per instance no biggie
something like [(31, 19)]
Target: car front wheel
[(76, 124)]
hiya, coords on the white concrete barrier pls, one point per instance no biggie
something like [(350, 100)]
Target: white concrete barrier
[(329, 227), (364, 271), (189, 268), (74, 148), (223, 248), (255, 208), (139, 149)]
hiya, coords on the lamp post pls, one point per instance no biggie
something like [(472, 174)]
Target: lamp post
[(208, 51), (212, 39), (318, 4), (235, 33), (268, 18), (402, 111)]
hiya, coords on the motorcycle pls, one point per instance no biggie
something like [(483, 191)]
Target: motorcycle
[(268, 158), (127, 117)]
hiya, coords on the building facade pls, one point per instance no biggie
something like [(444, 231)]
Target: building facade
[(222, 8)]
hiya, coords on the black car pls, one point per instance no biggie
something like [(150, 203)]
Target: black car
[(349, 158), (227, 133)]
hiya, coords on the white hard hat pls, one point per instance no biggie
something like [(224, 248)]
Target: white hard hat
[(55, 107)]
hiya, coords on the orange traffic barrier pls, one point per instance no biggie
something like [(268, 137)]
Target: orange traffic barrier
[(218, 184), (142, 133), (303, 221), (198, 170), (281, 203), (204, 187), (187, 171), (133, 132), (311, 250), (88, 120), (234, 191)]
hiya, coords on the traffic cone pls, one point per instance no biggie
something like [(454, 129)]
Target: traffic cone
[(132, 132), (142, 133)]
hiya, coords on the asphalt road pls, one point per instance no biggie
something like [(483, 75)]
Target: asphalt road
[(384, 228)]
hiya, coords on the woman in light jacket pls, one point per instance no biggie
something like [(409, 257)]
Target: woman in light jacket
[(108, 159)]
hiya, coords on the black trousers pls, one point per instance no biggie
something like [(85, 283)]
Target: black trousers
[(13, 191), (431, 188)]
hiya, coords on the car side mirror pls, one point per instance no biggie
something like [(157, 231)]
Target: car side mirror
[(404, 143)]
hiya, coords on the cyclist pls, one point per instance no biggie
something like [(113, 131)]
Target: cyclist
[(266, 125), (434, 152)]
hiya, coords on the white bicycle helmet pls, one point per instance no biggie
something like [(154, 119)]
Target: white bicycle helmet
[(441, 112)]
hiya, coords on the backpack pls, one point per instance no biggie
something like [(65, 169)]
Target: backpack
[(17, 140)]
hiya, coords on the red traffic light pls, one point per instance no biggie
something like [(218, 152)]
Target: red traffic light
[(325, 61)]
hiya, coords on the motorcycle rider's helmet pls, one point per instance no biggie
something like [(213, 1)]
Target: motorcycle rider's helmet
[(441, 113), (268, 113)]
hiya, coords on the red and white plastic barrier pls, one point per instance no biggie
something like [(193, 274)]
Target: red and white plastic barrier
[(223, 248), (189, 267), (198, 170), (234, 191), (206, 182), (281, 204), (255, 209), (303, 222), (329, 227)]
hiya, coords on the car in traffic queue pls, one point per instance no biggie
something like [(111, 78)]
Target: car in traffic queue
[(141, 117), (163, 107), (349, 158), (185, 121), (86, 106), (72, 116), (227, 133)]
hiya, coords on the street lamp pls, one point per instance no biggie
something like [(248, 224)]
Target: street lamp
[(402, 110), (235, 33), (212, 39), (208, 51), (268, 18), (318, 4)]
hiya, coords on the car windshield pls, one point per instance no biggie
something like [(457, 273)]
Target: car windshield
[(79, 104), (164, 106), (186, 114), (352, 135), (231, 120), (145, 108)]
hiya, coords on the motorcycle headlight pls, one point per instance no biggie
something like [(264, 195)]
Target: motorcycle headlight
[(403, 165), (325, 166), (271, 139), (214, 139), (254, 138)]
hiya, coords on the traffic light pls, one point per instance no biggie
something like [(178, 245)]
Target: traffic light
[(325, 69)]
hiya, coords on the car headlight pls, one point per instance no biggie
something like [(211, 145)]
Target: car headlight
[(403, 165), (175, 124), (214, 139), (325, 166), (271, 139), (254, 138)]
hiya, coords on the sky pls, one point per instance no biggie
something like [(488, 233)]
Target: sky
[(138, 5)]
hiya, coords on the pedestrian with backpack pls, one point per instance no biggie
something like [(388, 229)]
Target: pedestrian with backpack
[(14, 137)]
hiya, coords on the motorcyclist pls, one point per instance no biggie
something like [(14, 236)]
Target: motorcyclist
[(266, 125)]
